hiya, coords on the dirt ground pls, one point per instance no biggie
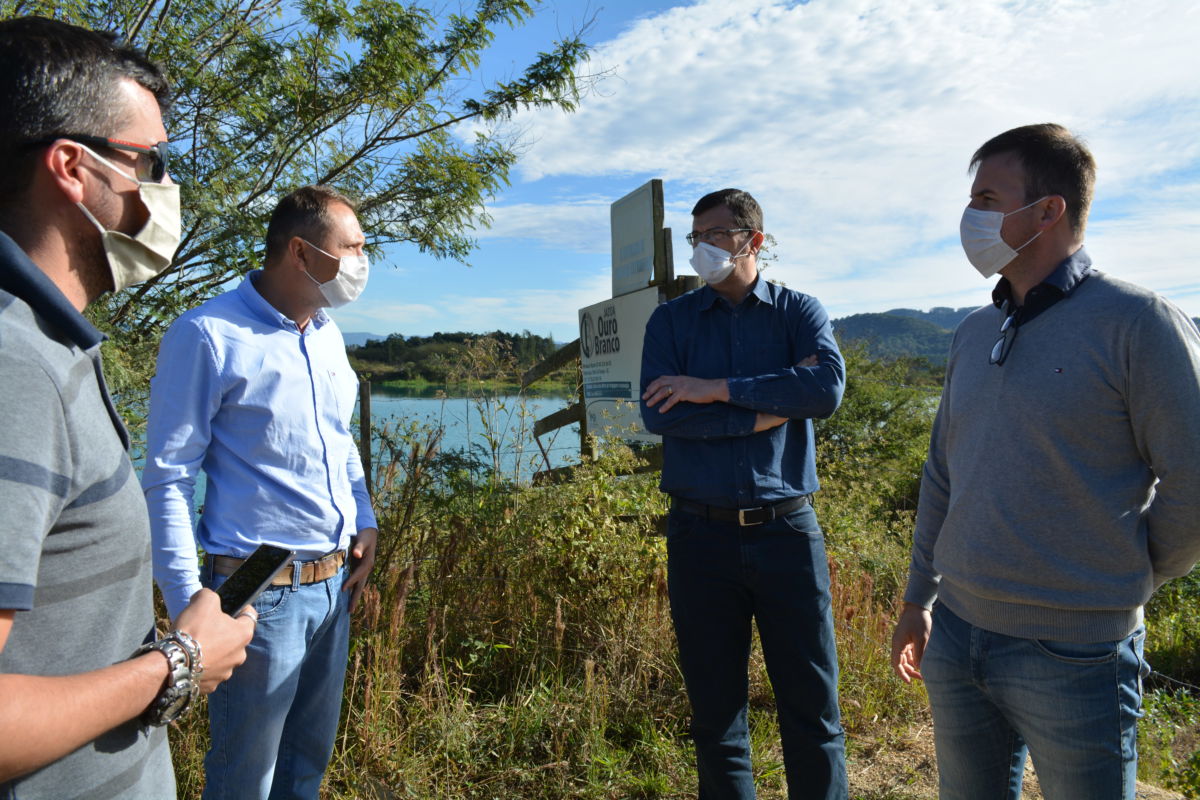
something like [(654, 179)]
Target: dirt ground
[(904, 768)]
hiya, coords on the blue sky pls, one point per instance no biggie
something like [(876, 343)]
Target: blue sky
[(851, 121)]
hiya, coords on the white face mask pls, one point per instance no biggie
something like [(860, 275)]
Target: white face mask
[(981, 240), (348, 284), (138, 258), (712, 263)]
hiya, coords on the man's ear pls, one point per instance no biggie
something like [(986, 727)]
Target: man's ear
[(757, 241), (298, 251), (63, 161), (1053, 209)]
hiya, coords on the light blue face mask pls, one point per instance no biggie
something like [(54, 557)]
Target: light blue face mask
[(979, 232), (348, 284)]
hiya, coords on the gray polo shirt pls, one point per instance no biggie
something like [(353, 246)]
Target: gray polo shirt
[(73, 530)]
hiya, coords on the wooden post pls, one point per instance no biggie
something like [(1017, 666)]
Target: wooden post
[(364, 430), (586, 451)]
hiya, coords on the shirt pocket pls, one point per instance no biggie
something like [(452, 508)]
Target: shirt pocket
[(769, 356), (342, 385)]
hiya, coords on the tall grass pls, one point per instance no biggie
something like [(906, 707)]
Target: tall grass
[(516, 640)]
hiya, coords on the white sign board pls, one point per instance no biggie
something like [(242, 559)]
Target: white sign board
[(636, 224), (610, 346)]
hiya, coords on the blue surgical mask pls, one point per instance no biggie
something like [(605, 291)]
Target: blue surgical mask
[(979, 232)]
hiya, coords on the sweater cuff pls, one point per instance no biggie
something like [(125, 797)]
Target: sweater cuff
[(921, 591)]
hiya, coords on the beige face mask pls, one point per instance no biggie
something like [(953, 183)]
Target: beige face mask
[(138, 258)]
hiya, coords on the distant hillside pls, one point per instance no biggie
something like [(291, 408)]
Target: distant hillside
[(358, 339), (907, 332), (941, 316), (895, 335)]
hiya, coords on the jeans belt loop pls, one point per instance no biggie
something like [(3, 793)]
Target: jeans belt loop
[(297, 571)]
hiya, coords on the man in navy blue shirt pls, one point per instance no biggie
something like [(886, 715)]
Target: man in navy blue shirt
[(732, 375)]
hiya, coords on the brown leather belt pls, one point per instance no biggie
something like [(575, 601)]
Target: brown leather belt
[(310, 571)]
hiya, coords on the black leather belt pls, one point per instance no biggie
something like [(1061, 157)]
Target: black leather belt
[(744, 516)]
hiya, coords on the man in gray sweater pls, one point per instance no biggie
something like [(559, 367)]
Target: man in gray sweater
[(1062, 488)]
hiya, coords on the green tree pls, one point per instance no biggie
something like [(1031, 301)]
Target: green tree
[(274, 94)]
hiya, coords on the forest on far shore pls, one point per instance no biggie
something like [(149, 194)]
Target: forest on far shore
[(438, 358)]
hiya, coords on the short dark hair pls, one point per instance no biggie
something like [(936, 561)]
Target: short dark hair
[(57, 78), (745, 209), (305, 213), (1055, 161)]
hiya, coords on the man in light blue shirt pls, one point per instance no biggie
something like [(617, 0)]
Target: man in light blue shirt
[(254, 388)]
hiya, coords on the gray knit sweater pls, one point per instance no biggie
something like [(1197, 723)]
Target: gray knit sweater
[(1040, 516)]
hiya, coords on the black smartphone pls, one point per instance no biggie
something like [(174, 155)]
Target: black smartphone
[(254, 575)]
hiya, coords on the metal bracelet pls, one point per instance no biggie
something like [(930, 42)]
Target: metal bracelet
[(182, 686), (192, 647)]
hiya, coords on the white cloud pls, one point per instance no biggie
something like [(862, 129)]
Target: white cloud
[(575, 225), (374, 316), (537, 310), (853, 121), (542, 311)]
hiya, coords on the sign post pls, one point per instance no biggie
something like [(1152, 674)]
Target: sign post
[(639, 253), (610, 332), (610, 347)]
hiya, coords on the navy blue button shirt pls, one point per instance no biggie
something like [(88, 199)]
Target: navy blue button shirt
[(711, 453), (1073, 271)]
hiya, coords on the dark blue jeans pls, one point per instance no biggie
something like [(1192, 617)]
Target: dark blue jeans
[(722, 576)]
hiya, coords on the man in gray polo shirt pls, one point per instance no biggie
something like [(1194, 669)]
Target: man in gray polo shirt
[(1062, 488), (85, 207)]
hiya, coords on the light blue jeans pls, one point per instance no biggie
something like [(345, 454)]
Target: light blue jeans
[(1073, 707), (274, 722)]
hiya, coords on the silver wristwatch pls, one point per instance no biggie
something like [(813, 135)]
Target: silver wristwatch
[(183, 681)]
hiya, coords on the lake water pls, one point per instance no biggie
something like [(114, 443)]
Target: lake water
[(462, 419), (503, 423)]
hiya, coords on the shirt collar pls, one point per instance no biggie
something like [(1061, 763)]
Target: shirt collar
[(22, 278), (268, 313), (760, 290), (1060, 283)]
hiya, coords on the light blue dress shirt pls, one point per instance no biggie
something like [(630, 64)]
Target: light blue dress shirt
[(264, 409)]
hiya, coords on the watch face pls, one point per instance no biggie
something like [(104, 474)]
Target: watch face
[(176, 699)]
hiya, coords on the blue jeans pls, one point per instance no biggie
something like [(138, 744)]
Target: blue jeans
[(273, 723), (1073, 707), (721, 576)]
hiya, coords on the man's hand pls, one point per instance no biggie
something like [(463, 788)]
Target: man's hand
[(222, 638), (764, 422), (677, 388), (362, 556), (908, 641)]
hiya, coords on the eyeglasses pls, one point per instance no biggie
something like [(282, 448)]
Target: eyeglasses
[(1003, 345), (709, 235), (151, 167)]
